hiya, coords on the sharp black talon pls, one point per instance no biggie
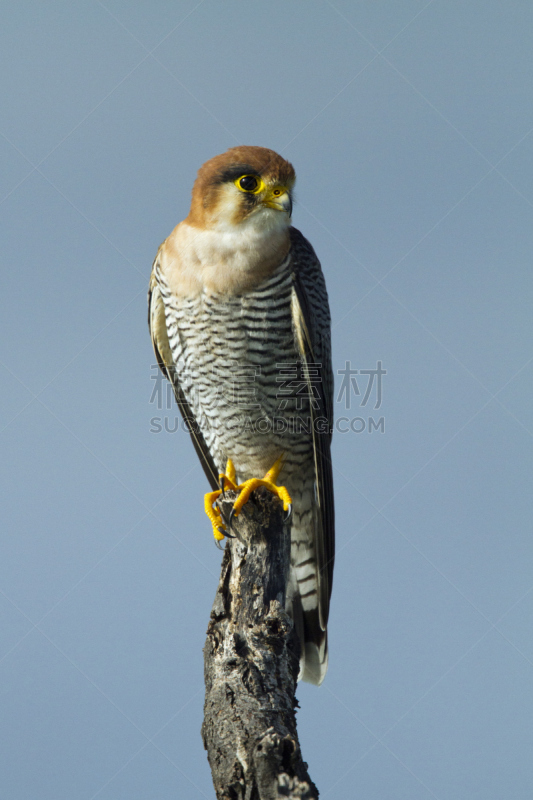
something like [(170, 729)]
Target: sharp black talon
[(227, 522), (225, 533), (221, 484), (288, 515), (218, 544), (231, 518)]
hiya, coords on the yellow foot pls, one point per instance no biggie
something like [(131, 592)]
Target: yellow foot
[(268, 481), (226, 481)]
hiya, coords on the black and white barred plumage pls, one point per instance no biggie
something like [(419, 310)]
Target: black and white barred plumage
[(240, 324), (228, 359)]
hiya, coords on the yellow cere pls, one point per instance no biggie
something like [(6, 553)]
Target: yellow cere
[(251, 184)]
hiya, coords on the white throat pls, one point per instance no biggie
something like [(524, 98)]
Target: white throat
[(242, 245), (225, 257)]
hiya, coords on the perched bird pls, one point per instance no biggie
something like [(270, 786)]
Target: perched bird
[(240, 323)]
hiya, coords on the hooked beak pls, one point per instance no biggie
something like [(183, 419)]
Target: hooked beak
[(282, 202)]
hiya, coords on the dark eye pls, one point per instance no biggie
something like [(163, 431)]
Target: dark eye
[(248, 183)]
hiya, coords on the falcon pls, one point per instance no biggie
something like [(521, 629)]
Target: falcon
[(240, 324)]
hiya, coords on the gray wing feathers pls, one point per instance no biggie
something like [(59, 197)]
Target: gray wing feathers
[(312, 326), (158, 331)]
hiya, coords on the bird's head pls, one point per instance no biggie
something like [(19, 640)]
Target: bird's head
[(244, 186)]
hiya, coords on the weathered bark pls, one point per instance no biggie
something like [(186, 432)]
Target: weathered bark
[(251, 662)]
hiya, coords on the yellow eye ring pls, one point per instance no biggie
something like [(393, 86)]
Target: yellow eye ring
[(250, 184)]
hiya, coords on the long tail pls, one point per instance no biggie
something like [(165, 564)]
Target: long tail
[(303, 594)]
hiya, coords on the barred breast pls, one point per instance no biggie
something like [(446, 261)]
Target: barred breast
[(233, 354), (229, 353)]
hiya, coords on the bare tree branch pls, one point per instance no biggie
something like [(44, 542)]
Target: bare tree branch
[(251, 662)]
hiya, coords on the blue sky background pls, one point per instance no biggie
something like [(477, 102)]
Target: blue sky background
[(410, 125)]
